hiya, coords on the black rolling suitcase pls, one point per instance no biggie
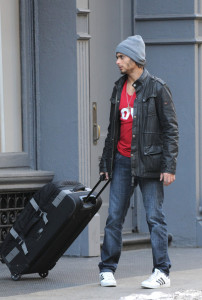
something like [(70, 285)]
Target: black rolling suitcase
[(47, 226)]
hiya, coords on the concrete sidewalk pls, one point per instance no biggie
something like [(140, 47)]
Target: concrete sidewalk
[(77, 278)]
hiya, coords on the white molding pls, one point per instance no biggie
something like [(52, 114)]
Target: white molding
[(83, 95), (83, 36), (83, 111), (84, 12), (198, 126), (2, 121)]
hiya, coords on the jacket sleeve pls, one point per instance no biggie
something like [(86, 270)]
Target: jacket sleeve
[(169, 127)]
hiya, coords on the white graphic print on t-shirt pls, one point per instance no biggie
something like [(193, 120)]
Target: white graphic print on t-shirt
[(125, 113)]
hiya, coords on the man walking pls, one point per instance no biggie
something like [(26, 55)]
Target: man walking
[(141, 148)]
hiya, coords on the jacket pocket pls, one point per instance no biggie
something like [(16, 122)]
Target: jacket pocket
[(149, 105), (152, 158), (152, 150)]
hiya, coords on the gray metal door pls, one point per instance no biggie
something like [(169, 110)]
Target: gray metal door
[(109, 23)]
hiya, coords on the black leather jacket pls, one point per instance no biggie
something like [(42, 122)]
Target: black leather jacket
[(154, 146)]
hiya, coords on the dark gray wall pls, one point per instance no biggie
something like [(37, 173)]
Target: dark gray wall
[(57, 88), (175, 64), (168, 30)]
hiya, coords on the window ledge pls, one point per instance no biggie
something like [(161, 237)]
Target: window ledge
[(23, 179)]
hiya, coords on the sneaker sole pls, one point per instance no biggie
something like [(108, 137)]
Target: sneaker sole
[(156, 287), (108, 284)]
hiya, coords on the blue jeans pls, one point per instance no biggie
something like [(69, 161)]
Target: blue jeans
[(120, 194)]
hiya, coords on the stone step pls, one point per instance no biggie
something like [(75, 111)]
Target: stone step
[(133, 241)]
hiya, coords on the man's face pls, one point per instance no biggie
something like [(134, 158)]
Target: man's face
[(126, 64)]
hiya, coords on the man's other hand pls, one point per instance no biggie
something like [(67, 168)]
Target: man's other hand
[(167, 178)]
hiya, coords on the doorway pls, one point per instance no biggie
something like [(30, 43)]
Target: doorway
[(109, 23)]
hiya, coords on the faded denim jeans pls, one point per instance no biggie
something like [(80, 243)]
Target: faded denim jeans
[(120, 194)]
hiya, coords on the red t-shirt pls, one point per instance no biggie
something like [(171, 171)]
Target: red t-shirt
[(126, 119)]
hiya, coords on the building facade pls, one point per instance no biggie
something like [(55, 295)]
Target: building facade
[(57, 70)]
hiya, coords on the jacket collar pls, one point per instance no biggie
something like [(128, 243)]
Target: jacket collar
[(137, 84), (120, 82)]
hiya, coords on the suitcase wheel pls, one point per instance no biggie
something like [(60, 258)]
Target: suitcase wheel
[(15, 277), (44, 274)]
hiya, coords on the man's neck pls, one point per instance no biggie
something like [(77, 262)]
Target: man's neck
[(132, 77)]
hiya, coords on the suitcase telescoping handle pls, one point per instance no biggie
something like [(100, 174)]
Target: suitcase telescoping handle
[(102, 178)]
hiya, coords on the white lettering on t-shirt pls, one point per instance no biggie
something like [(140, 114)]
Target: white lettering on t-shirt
[(125, 113)]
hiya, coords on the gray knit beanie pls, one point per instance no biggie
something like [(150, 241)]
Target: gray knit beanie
[(133, 47)]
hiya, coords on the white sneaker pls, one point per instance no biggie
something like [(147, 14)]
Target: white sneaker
[(107, 279), (158, 279)]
